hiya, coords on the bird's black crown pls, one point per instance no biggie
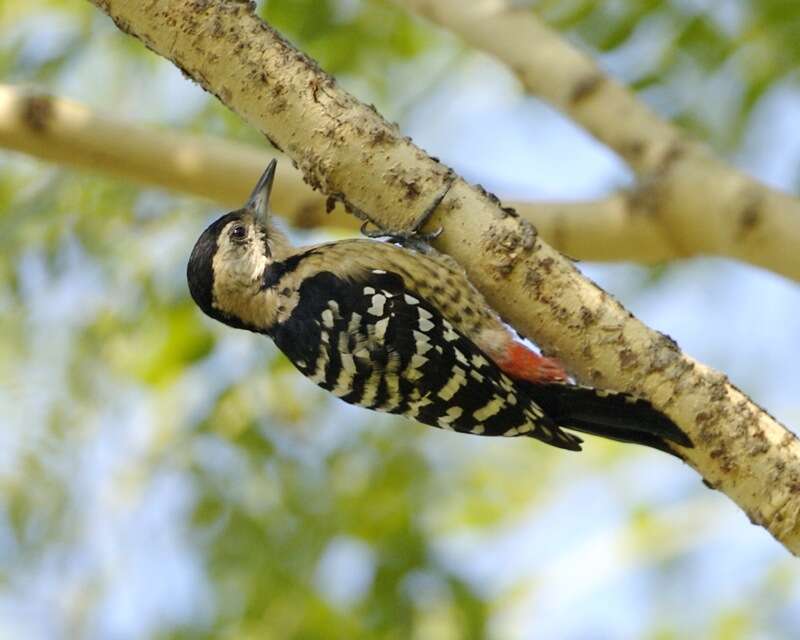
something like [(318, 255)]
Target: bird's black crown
[(200, 269)]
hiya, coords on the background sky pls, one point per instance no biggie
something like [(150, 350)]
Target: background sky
[(165, 476)]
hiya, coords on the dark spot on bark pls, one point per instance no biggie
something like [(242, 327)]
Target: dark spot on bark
[(709, 484), (510, 211), (585, 88), (286, 291), (750, 216), (668, 342), (278, 106), (380, 136), (787, 439), (330, 204), (717, 392), (633, 149), (586, 316), (469, 311), (673, 153), (627, 358), (702, 417), (36, 112), (217, 31), (412, 190), (273, 142), (488, 194)]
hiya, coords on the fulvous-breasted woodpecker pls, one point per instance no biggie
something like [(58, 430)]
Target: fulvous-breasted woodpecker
[(403, 331)]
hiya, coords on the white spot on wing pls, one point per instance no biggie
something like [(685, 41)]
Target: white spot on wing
[(355, 323), (348, 363), (449, 334), (378, 302), (476, 375), (425, 325), (410, 299), (420, 337), (416, 405), (453, 413), (457, 380), (318, 377), (380, 328), (479, 361), (368, 291), (327, 318), (489, 409), (370, 389)]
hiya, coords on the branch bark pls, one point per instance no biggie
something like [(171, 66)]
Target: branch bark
[(347, 150), (69, 133), (63, 131), (737, 217)]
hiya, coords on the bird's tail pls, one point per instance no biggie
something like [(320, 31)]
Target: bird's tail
[(610, 414)]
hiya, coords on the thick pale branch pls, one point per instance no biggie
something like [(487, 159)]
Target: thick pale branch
[(71, 134), (346, 149), (703, 205)]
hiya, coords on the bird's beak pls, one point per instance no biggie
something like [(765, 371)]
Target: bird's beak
[(259, 199)]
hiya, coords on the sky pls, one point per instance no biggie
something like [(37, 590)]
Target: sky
[(571, 553)]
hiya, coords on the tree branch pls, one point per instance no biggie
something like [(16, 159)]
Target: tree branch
[(69, 133), (347, 150), (703, 205)]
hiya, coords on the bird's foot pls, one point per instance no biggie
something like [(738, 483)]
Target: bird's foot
[(412, 238)]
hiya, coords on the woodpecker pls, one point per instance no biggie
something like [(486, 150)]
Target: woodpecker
[(398, 329)]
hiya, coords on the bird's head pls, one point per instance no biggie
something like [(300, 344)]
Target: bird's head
[(227, 265)]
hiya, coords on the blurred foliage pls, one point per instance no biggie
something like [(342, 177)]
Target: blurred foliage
[(164, 476), (685, 45)]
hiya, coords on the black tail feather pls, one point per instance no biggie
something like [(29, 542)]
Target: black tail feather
[(609, 414)]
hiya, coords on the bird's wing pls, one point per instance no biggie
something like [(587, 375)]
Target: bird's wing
[(372, 342)]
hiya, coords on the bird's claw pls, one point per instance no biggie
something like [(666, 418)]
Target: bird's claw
[(413, 238)]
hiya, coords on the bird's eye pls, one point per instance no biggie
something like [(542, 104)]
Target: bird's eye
[(238, 232)]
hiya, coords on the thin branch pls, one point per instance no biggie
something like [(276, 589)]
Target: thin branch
[(347, 150), (703, 205), (71, 134)]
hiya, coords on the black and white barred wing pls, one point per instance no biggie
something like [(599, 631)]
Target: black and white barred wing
[(376, 344)]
